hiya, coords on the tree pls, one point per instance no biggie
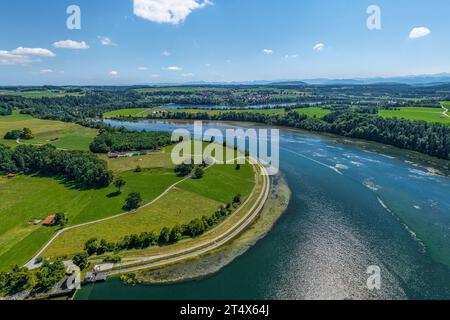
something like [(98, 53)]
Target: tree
[(164, 236), (91, 246), (60, 219), (81, 260), (238, 167), (133, 201), (182, 170), (119, 183), (176, 234), (198, 173), (237, 198), (27, 134), (138, 169)]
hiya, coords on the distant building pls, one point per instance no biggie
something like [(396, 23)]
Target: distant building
[(50, 220), (11, 175)]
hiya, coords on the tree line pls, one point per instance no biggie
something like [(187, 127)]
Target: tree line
[(80, 167), (429, 138), (123, 140)]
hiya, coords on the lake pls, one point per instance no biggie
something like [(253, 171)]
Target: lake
[(351, 208)]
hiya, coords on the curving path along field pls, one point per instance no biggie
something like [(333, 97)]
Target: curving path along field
[(207, 246), (32, 264)]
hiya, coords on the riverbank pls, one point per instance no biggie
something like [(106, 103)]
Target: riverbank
[(214, 261)]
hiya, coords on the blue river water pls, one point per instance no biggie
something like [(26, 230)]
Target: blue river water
[(352, 207)]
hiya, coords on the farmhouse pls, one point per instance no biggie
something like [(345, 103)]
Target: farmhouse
[(11, 175), (50, 220)]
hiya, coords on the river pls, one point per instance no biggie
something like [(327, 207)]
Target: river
[(351, 208)]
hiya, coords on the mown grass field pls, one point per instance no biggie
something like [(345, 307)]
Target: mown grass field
[(69, 136), (190, 199), (412, 113), (310, 112)]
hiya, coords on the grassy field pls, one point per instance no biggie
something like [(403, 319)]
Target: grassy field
[(26, 198), (313, 112), (70, 136), (310, 112), (190, 199), (135, 112), (40, 93), (411, 113)]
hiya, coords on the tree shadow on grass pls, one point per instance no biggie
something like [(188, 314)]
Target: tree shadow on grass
[(114, 194)]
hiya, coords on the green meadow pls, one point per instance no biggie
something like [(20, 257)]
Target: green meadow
[(412, 113), (189, 200), (60, 134)]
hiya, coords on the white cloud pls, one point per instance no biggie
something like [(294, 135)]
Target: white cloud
[(166, 53), (187, 75), (7, 58), (268, 51), (172, 68), (45, 71), (142, 68), (23, 55), (319, 47), (37, 52), (291, 56), (167, 11), (70, 44), (419, 32), (155, 76), (106, 41), (114, 74), (208, 65)]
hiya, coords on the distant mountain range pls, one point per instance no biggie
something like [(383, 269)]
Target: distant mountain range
[(417, 80), (411, 80)]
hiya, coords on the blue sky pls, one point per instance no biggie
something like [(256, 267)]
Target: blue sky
[(154, 41)]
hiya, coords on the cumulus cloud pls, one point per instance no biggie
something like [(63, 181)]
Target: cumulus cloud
[(268, 51), (187, 75), (167, 11), (114, 74), (291, 56), (37, 52), (23, 55), (106, 41), (319, 47), (419, 32), (7, 58), (166, 53), (172, 68), (70, 44)]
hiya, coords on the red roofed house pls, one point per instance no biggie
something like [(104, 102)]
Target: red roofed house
[(11, 175), (49, 220)]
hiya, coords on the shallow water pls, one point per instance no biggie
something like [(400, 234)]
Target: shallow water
[(350, 209)]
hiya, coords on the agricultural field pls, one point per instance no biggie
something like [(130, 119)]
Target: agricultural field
[(412, 113), (60, 134), (40, 93), (189, 200), (310, 112)]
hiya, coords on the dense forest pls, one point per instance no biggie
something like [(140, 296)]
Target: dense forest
[(82, 168), (123, 140)]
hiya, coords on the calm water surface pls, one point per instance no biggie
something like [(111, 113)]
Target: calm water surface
[(350, 209)]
